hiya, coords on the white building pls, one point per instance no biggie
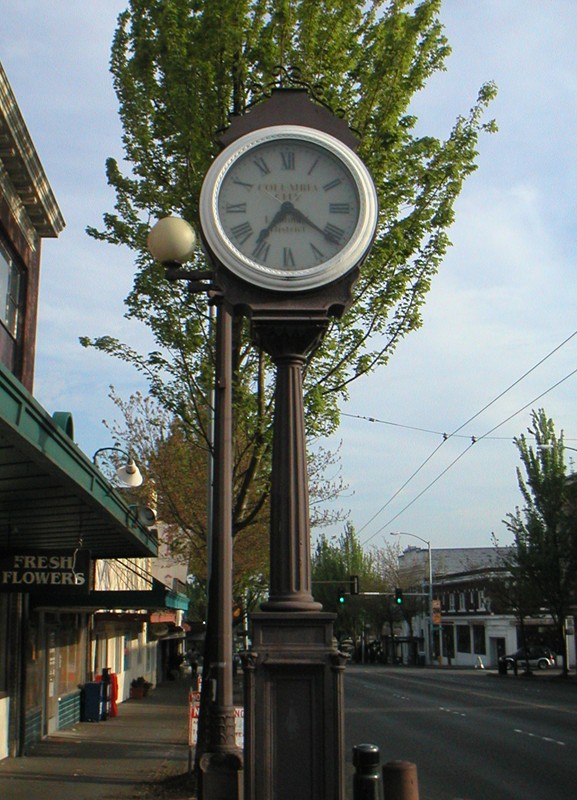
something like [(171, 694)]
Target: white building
[(476, 627)]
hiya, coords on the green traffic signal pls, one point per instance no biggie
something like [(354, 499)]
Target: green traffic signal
[(341, 598), (399, 596)]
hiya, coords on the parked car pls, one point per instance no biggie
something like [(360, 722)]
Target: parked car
[(538, 657)]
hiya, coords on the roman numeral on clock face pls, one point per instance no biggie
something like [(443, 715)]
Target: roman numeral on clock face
[(242, 232), (334, 233), (318, 254), (235, 208), (261, 251), (287, 257), (339, 208), (262, 165), (288, 160), (332, 184)]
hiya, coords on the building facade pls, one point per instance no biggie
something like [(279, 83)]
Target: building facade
[(66, 618), (472, 625)]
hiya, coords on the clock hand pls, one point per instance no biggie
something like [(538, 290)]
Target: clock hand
[(278, 217), (300, 217)]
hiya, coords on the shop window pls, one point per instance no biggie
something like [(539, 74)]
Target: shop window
[(479, 645), (34, 664), (70, 663), (448, 641), (118, 655), (463, 639), (127, 651)]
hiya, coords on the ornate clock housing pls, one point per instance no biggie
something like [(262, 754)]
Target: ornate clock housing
[(288, 208)]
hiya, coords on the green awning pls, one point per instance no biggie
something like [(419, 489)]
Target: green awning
[(51, 494), (157, 598)]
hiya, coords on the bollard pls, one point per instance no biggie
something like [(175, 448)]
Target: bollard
[(400, 781), (367, 779)]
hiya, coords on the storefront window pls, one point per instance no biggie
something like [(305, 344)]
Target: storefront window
[(449, 641), (463, 639), (66, 642), (479, 640), (70, 671), (34, 665)]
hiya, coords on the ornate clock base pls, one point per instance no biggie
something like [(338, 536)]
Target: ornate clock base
[(294, 680)]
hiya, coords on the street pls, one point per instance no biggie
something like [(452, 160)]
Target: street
[(472, 734)]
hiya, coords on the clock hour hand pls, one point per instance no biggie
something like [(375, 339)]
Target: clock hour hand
[(278, 217)]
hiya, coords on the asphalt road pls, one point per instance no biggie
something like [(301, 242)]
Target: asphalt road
[(472, 734)]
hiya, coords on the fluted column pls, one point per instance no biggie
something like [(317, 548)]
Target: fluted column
[(290, 561)]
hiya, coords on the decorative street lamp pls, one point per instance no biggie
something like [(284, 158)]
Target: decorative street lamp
[(172, 240), (430, 561), (127, 474)]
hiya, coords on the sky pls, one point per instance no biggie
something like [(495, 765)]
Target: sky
[(497, 334)]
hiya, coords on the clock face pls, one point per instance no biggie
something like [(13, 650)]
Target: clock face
[(288, 208)]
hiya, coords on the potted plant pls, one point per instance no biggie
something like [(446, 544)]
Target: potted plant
[(139, 688)]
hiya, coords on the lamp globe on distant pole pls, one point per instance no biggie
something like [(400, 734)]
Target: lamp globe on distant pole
[(428, 543)]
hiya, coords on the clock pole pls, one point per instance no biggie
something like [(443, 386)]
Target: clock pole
[(294, 674)]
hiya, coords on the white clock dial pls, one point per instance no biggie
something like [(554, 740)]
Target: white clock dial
[(288, 208), (288, 205)]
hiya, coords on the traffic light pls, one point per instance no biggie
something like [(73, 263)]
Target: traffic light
[(399, 596), (342, 595), (353, 584)]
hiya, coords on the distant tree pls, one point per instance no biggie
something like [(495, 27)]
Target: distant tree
[(333, 562), (543, 563)]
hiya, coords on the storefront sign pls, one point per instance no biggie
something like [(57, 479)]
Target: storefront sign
[(45, 571)]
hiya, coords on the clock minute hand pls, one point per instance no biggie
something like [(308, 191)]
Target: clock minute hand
[(300, 217)]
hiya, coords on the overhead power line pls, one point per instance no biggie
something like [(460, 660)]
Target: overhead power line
[(474, 439)]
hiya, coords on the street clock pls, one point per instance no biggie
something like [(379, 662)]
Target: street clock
[(288, 208)]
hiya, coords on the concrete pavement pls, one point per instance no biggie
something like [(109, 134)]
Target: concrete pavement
[(133, 755)]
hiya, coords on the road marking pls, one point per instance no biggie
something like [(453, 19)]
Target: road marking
[(499, 702), (450, 711), (541, 738)]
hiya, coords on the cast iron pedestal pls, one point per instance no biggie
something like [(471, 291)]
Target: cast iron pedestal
[(294, 736)]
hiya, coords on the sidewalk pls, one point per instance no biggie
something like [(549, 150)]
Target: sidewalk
[(133, 755)]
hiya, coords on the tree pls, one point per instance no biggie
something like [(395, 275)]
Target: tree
[(333, 562), (544, 535), (175, 464), (180, 68)]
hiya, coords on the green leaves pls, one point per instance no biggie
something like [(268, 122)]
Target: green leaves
[(180, 68), (544, 557)]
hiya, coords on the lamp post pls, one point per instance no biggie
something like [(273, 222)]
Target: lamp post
[(172, 241), (428, 543)]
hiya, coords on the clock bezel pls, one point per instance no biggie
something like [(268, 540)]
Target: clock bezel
[(295, 280)]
